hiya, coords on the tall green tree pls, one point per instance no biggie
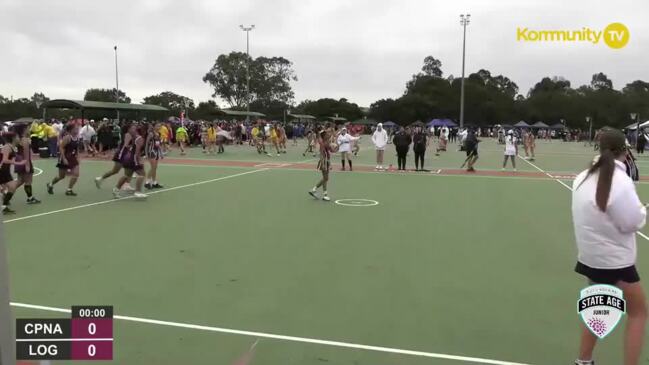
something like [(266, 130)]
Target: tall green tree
[(172, 101), (106, 95), (270, 81), (328, 107)]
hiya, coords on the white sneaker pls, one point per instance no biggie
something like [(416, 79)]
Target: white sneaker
[(503, 169), (127, 187), (98, 182), (515, 170), (377, 167), (140, 196), (116, 193), (326, 198)]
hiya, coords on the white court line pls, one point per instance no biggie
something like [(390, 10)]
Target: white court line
[(40, 171), (131, 197), (569, 188), (286, 338), (546, 173)]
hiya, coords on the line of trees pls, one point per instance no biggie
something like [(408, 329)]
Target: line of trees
[(490, 99)]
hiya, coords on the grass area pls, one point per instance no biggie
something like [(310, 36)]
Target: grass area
[(448, 265)]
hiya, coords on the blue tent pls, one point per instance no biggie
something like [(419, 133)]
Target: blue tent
[(450, 123), (389, 124), (441, 123)]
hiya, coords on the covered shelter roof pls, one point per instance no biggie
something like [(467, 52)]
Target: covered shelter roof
[(241, 113), (364, 121), (540, 125), (100, 105), (633, 126), (302, 116), (337, 119)]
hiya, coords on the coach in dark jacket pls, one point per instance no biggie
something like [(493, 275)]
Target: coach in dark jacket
[(402, 142), (419, 148)]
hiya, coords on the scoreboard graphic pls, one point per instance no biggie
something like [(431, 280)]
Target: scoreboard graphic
[(87, 335)]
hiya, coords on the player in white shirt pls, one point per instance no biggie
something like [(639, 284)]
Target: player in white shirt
[(344, 142), (443, 139), (607, 213), (511, 149), (380, 140)]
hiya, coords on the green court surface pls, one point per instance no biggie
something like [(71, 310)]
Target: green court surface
[(445, 269)]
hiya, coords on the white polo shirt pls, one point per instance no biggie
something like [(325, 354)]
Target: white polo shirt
[(606, 240)]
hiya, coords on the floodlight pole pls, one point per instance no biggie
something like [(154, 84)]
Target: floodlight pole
[(116, 82), (589, 120), (636, 118), (464, 21), (247, 30)]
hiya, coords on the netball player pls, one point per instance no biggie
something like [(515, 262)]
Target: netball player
[(324, 165), (125, 141), (7, 182), (204, 137), (511, 149), (131, 160), (211, 139), (154, 154), (68, 164), (530, 144), (181, 137), (282, 138), (24, 171), (310, 142), (274, 137), (164, 138)]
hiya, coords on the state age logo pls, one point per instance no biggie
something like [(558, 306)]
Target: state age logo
[(601, 307)]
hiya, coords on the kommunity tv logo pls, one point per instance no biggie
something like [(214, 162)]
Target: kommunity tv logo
[(614, 35)]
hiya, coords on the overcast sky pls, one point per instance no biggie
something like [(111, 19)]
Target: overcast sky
[(363, 50)]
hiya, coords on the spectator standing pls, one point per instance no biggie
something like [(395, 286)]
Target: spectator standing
[(380, 140), (402, 142)]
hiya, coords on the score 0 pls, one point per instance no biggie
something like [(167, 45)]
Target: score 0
[(92, 332)]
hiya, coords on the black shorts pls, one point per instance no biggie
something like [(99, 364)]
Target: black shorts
[(5, 174), (608, 276), (472, 151)]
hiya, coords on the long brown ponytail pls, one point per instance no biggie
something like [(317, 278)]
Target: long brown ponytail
[(612, 146)]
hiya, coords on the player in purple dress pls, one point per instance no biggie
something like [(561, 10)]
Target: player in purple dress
[(132, 161), (68, 159)]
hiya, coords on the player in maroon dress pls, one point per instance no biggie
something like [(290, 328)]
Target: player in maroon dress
[(24, 171), (125, 142), (132, 161), (324, 164), (68, 159), (7, 182)]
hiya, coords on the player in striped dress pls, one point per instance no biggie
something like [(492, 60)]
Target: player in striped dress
[(324, 165), (68, 164), (154, 155)]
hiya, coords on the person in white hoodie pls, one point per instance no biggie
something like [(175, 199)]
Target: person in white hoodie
[(380, 140)]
